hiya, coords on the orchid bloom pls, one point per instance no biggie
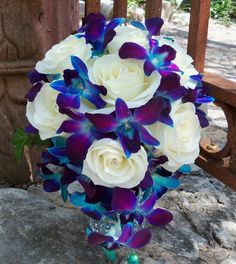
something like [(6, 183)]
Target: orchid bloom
[(76, 84), (157, 58), (130, 127), (99, 33)]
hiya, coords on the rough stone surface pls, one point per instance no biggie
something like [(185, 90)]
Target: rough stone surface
[(37, 228)]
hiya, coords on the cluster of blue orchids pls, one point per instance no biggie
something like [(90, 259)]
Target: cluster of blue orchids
[(134, 209)]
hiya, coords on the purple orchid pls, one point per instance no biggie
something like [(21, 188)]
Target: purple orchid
[(127, 203), (37, 80), (199, 96), (76, 84), (117, 237), (130, 127), (157, 58), (99, 33), (83, 134), (152, 25), (170, 88)]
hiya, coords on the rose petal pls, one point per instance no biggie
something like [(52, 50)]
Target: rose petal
[(159, 217), (123, 200), (130, 50)]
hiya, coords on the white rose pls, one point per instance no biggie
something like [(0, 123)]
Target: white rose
[(106, 165), (125, 79), (43, 112), (127, 34), (179, 143), (57, 59), (183, 61)]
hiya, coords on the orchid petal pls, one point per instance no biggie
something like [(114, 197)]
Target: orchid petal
[(79, 66), (103, 123), (71, 126), (92, 212), (149, 68), (202, 118), (159, 217), (140, 238), (131, 50), (170, 87), (77, 146), (154, 25), (168, 182), (147, 182), (96, 238), (149, 113), (32, 93), (122, 111), (169, 52), (115, 22), (147, 138), (59, 86), (51, 185), (35, 77), (149, 203), (137, 24), (68, 101), (123, 200), (126, 233)]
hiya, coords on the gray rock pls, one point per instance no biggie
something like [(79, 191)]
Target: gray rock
[(49, 231)]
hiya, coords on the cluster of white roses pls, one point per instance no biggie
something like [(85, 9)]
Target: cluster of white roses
[(105, 163)]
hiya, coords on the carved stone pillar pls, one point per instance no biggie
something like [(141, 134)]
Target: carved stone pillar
[(28, 28)]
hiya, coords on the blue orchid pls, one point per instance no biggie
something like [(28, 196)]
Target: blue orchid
[(76, 84), (199, 96), (130, 127), (99, 33), (128, 204), (83, 133), (119, 236), (157, 58), (152, 25)]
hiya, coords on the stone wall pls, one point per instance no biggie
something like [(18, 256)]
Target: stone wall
[(27, 29)]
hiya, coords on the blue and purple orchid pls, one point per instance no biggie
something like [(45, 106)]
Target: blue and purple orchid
[(136, 137)]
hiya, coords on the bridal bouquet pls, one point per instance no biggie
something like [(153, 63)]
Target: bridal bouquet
[(121, 108)]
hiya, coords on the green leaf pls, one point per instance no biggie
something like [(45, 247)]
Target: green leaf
[(19, 141)]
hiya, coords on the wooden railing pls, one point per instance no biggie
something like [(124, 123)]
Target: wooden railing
[(220, 163)]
